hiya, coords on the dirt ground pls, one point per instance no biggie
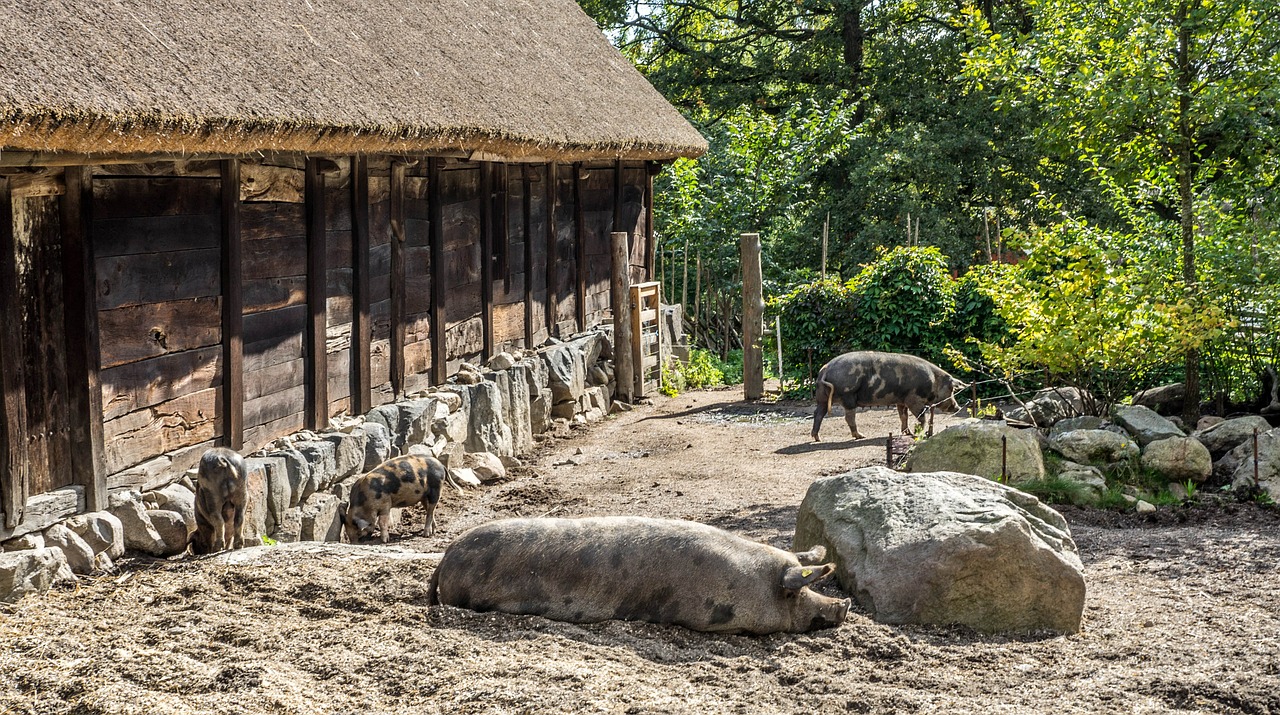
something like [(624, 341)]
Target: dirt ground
[(1182, 615)]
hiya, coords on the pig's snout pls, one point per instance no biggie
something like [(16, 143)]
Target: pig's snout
[(830, 614)]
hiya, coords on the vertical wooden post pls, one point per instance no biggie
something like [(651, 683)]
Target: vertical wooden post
[(782, 373), (888, 451), (527, 209), (1004, 459), (579, 249), (398, 238), (650, 244), (232, 308), (317, 401), (697, 300), (752, 318), (553, 181), (684, 285), (439, 319), (84, 386), (624, 374), (486, 259), (15, 481), (362, 326)]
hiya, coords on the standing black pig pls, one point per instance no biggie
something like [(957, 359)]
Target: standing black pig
[(633, 568), (397, 482), (220, 499), (872, 378)]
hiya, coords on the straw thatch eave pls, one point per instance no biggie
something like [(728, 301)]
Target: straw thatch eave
[(508, 78)]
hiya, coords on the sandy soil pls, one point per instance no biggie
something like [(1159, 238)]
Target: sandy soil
[(1183, 611)]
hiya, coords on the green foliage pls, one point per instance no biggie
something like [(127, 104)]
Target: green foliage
[(905, 301), (1088, 308), (1056, 490), (702, 370)]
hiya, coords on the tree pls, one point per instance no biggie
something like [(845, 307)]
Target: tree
[(1166, 102)]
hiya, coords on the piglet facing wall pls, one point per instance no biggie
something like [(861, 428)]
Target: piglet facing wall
[(633, 568), (220, 501)]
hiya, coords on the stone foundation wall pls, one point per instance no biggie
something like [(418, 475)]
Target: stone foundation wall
[(477, 423)]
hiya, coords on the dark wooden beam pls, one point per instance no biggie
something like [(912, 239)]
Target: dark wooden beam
[(486, 258), (617, 200), (579, 249), (435, 212), (84, 386), (15, 481), (650, 246), (553, 184), (528, 255), (317, 401), (361, 328), (232, 309), (398, 237)]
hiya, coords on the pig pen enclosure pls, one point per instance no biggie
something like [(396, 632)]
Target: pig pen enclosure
[(1182, 612)]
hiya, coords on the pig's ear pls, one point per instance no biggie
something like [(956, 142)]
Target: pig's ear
[(797, 577), (813, 556)]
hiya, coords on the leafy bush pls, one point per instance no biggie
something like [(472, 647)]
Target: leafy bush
[(905, 302), (1056, 490), (702, 370)]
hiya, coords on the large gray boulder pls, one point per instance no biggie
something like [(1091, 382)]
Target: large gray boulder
[(1075, 423), (1165, 400), (102, 530), (518, 415), (1049, 406), (139, 533), (321, 456), (1145, 425), (566, 371), (1268, 465), (489, 432), (297, 472), (946, 548), (279, 488), (1178, 459), (975, 448), (1094, 446), (1226, 436), (177, 497), (32, 571), (320, 519), (377, 446)]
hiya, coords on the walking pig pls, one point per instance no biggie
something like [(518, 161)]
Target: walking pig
[(220, 499), (871, 378), (399, 482), (633, 568)]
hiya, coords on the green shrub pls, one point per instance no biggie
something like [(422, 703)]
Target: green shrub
[(905, 302), (703, 370), (1056, 490)]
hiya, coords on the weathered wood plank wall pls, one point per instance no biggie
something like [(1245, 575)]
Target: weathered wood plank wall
[(273, 232), (157, 248), (520, 253)]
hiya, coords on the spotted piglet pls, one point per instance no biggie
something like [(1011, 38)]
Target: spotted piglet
[(398, 482)]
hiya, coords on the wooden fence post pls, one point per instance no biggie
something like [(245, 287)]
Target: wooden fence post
[(624, 373), (15, 480), (232, 308), (752, 318), (317, 401)]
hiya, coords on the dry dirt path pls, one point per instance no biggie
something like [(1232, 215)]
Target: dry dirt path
[(1183, 610)]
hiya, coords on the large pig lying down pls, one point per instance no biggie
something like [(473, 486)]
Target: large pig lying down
[(633, 568), (865, 378)]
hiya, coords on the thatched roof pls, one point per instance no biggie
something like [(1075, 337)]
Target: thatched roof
[(506, 77)]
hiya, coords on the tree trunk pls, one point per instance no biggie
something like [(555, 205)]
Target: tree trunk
[(1186, 176)]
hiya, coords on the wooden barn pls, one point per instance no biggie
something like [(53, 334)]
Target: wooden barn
[(225, 222)]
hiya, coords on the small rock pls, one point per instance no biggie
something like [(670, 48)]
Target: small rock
[(377, 445), (1144, 507), (34, 540), (173, 531), (79, 555), (1145, 425), (32, 571), (468, 378), (102, 530), (485, 465), (1177, 491), (139, 534), (1208, 421), (1178, 459), (501, 361), (180, 499), (463, 475), (451, 400)]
